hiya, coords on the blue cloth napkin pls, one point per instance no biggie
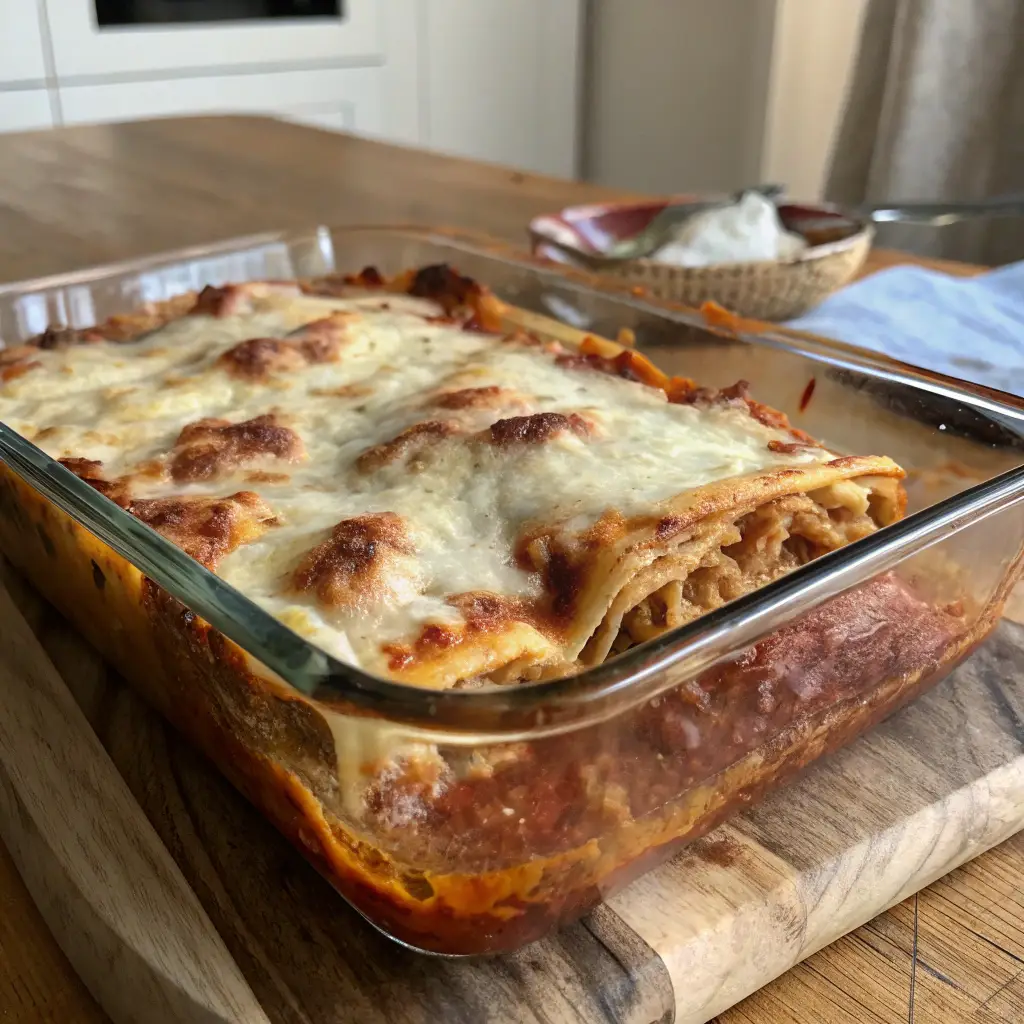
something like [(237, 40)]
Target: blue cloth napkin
[(971, 328)]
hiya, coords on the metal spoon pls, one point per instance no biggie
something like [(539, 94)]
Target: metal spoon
[(940, 214)]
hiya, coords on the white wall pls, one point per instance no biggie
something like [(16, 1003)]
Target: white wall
[(499, 80), (677, 92), (815, 44), (716, 94)]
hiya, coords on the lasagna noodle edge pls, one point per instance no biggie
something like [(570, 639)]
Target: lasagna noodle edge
[(617, 576)]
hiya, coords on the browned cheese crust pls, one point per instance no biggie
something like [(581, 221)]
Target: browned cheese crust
[(480, 851)]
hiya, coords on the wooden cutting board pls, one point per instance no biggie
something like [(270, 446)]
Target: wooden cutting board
[(936, 785)]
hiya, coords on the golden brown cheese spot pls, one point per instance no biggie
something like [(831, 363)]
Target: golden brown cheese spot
[(56, 338), (207, 529), (210, 448), (128, 327), (536, 429), (412, 441), (482, 611), (563, 559), (84, 469), (20, 359), (151, 469), (349, 569), (261, 476), (17, 353), (91, 471), (368, 277), (777, 420), (458, 296), (526, 340), (445, 286), (682, 391), (790, 447), (669, 526), (343, 391), (344, 284), (220, 302), (843, 461), (685, 392), (490, 397), (321, 338), (463, 301), (13, 370), (257, 358), (433, 639), (627, 364)]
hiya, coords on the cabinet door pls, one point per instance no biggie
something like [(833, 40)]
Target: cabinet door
[(502, 80), (344, 98), (21, 42), (81, 47), (25, 109)]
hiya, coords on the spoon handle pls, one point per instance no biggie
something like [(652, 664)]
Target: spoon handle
[(940, 213)]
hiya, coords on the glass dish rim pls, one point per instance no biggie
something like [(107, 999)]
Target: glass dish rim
[(531, 709)]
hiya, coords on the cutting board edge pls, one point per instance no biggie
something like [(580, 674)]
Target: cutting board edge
[(927, 829)]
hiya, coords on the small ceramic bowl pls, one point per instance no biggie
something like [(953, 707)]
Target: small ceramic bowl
[(763, 290)]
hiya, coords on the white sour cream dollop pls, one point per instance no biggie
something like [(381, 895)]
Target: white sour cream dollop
[(747, 231)]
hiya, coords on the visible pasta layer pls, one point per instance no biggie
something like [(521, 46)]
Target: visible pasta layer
[(730, 560), (426, 496)]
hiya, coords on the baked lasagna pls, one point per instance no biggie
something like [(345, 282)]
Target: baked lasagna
[(427, 495), (423, 483)]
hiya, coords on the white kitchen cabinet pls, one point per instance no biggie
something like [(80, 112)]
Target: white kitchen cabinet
[(501, 80), (497, 80), (401, 98), (21, 42), (81, 48), (22, 110), (342, 98)]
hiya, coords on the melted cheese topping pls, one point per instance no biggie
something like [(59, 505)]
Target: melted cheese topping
[(461, 494)]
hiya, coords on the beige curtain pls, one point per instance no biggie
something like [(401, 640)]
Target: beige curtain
[(936, 111)]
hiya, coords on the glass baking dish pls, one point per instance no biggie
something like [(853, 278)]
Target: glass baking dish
[(474, 821)]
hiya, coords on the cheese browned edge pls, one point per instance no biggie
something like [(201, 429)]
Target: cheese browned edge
[(277, 749), (596, 558), (622, 581)]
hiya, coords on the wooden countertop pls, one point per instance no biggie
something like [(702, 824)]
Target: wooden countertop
[(80, 196)]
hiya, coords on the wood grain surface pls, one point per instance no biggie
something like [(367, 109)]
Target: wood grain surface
[(101, 878), (86, 195), (81, 196)]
